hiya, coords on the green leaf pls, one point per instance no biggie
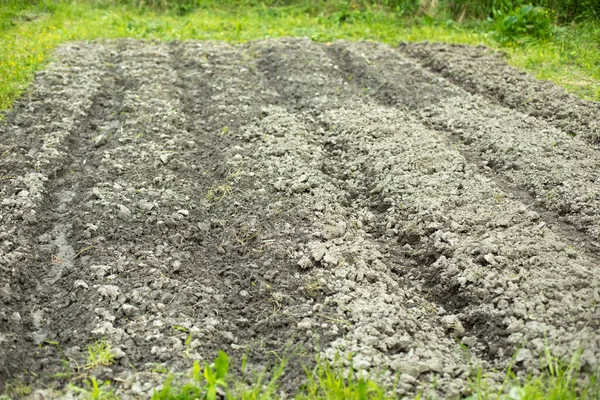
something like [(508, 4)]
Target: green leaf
[(196, 371), (244, 362), (222, 365), (209, 375), (362, 389), (211, 393)]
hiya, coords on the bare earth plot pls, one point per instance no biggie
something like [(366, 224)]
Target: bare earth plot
[(350, 198)]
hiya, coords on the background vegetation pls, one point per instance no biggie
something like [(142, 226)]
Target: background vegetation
[(557, 40)]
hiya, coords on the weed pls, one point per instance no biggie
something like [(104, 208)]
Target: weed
[(328, 380), (16, 389), (99, 354), (215, 376), (95, 390), (204, 385), (499, 197), (523, 24), (313, 289), (180, 328), (558, 380), (218, 192)]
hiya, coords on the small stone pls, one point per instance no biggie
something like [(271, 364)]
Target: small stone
[(516, 326), (228, 336), (305, 263), (408, 379), (164, 157), (100, 140), (102, 312), (130, 310), (124, 212), (361, 362), (305, 324), (317, 250), (109, 291), (469, 341), (118, 353), (16, 318), (136, 388), (489, 258), (183, 212), (452, 323), (80, 284), (329, 258), (522, 355)]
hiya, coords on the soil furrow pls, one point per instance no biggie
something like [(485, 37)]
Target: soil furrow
[(391, 318), (467, 269), (35, 140), (525, 151), (247, 236), (502, 220), (482, 71), (286, 195), (138, 215)]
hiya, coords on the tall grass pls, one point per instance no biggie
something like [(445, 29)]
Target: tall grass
[(565, 10)]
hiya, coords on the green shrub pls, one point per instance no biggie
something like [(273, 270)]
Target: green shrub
[(565, 10), (523, 24)]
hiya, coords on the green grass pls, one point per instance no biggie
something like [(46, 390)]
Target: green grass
[(326, 380), (99, 354), (558, 381), (29, 34), (329, 381)]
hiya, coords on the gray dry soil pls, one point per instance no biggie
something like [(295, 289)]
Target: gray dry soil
[(398, 204)]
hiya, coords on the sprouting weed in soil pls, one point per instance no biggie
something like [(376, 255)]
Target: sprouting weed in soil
[(180, 328), (159, 369), (67, 372), (330, 380), (80, 252), (313, 289), (188, 344), (335, 320), (244, 236), (213, 374), (16, 389), (99, 354), (95, 390), (499, 197), (430, 308), (233, 174), (218, 192), (224, 131)]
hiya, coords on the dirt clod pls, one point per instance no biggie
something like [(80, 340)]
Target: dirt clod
[(366, 202)]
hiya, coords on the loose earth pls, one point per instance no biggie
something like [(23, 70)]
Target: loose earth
[(422, 208)]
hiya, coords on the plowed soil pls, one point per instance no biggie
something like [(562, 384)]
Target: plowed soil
[(423, 208)]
